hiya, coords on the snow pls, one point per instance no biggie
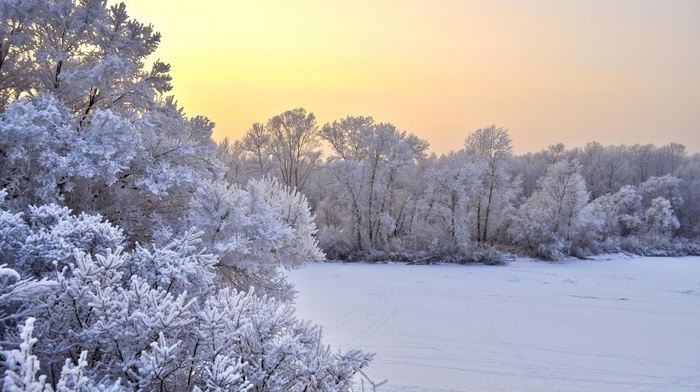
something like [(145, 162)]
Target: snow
[(598, 325)]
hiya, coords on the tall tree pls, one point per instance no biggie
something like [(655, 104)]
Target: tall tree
[(689, 211), (257, 142), (494, 147), (294, 145), (90, 55), (590, 157), (287, 146), (368, 170), (641, 158), (453, 180), (670, 159), (347, 137), (89, 125)]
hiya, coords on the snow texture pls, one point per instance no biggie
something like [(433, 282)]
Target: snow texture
[(602, 325)]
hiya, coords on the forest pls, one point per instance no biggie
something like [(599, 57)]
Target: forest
[(136, 253), (378, 195)]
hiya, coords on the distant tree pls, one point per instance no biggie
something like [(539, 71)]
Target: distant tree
[(371, 181), (666, 186), (294, 143), (257, 142), (640, 219), (660, 220), (493, 147), (554, 153), (287, 146), (689, 189), (529, 167), (614, 170), (453, 180), (348, 140), (641, 158), (591, 157), (671, 159), (347, 137), (550, 220), (617, 215), (232, 156)]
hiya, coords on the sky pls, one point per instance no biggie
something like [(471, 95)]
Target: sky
[(550, 71)]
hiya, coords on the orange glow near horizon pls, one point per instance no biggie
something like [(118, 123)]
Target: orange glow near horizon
[(617, 71)]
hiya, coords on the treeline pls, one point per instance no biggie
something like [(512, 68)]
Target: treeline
[(378, 195)]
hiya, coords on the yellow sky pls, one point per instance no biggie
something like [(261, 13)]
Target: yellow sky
[(570, 71)]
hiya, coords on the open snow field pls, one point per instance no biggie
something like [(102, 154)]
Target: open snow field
[(614, 325)]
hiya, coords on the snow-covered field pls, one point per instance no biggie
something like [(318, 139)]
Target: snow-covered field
[(607, 325)]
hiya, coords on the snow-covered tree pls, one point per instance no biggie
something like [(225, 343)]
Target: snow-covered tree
[(91, 55), (666, 187), (660, 220), (453, 181), (618, 216), (16, 22), (286, 146), (550, 220), (641, 159), (255, 230), (689, 189), (640, 219), (493, 147), (370, 174), (347, 137), (85, 122), (257, 143), (232, 156), (670, 159)]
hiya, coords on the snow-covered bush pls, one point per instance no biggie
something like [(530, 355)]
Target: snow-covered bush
[(22, 368), (13, 231), (54, 236), (256, 230), (156, 318)]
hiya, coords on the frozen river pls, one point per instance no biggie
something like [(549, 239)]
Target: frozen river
[(608, 325)]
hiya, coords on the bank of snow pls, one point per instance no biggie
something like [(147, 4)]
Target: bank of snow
[(607, 325)]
